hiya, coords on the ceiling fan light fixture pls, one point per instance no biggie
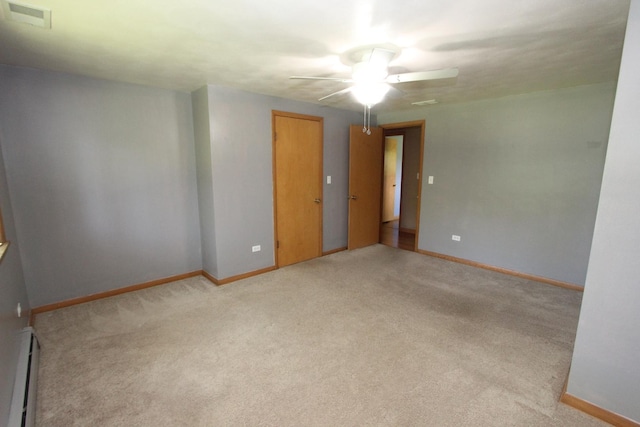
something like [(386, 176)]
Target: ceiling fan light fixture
[(369, 72), (370, 93)]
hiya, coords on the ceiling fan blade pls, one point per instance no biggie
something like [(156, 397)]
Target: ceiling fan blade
[(340, 92), (395, 93), (335, 79), (445, 73)]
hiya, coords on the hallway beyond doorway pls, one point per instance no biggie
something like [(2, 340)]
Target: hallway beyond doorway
[(391, 235)]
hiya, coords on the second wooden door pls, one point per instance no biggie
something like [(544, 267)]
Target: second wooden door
[(365, 186)]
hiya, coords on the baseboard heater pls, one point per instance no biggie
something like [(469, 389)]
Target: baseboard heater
[(23, 402)]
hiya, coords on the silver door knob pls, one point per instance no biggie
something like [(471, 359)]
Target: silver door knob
[(353, 197), (317, 200)]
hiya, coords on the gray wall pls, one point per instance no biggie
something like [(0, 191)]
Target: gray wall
[(605, 370), (517, 178), (102, 181), (202, 137), (104, 177), (12, 292), (242, 181), (410, 170)]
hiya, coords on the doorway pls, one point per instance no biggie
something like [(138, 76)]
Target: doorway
[(400, 230), (366, 161), (297, 178)]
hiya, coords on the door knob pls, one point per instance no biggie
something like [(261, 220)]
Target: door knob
[(353, 197), (317, 200)]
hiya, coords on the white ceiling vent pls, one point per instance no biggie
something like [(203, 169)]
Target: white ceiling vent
[(427, 102), (27, 14)]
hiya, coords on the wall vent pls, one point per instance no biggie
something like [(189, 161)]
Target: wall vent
[(27, 14)]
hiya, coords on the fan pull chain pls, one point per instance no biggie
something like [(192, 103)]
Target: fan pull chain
[(367, 119), (364, 119)]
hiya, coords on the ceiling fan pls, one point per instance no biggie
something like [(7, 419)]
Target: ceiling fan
[(370, 77)]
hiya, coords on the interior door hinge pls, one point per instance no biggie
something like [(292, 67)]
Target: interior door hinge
[(277, 244)]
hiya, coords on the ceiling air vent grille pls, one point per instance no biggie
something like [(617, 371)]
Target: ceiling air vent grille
[(27, 14), (427, 102)]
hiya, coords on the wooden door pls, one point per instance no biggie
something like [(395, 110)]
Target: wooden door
[(297, 153), (389, 185), (365, 186)]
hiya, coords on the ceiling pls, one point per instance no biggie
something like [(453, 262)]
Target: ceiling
[(501, 47)]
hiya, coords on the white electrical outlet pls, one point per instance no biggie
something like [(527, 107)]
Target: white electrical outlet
[(255, 248), (454, 237), (19, 310)]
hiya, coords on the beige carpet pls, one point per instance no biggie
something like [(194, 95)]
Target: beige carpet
[(376, 336)]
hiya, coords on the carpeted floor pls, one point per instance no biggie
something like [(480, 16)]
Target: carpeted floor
[(376, 336)]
